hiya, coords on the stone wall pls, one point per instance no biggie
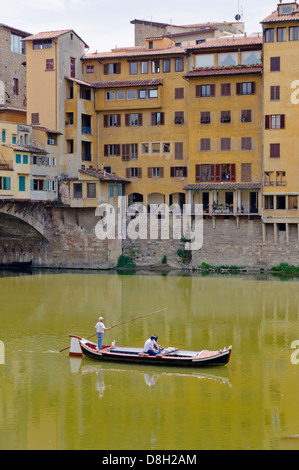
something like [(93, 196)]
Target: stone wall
[(68, 240)]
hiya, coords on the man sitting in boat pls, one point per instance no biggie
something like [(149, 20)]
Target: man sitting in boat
[(151, 347)]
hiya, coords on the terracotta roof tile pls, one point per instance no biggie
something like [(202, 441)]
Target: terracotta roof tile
[(51, 35), (275, 17), (222, 186), (128, 83), (134, 53), (210, 71), (228, 42), (105, 176), (28, 149)]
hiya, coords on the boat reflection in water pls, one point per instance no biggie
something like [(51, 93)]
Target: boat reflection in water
[(151, 376)]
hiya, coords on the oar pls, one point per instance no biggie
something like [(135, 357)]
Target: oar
[(122, 323)]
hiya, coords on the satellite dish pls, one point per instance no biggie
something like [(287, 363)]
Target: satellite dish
[(238, 17)]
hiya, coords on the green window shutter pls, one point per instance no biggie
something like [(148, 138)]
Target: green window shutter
[(18, 158), (25, 159), (111, 190), (7, 183), (22, 184)]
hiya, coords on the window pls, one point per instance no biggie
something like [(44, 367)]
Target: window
[(225, 117), (156, 147), (34, 118), (275, 121), (25, 159), (70, 146), (42, 44), (179, 152), (86, 151), (179, 64), (37, 185), (133, 68), (155, 66), (179, 93), (153, 93), (269, 202), (129, 152), (5, 183), (225, 89), (18, 158), (204, 90), (91, 190), (250, 58), (120, 95), (142, 94), (269, 35), (275, 93), (15, 86), (86, 124), (246, 143), (166, 147), (246, 88), (204, 173), (112, 68), (166, 65), (134, 172), (49, 64), (205, 117), (131, 95), (145, 148), (227, 172), (133, 119), (155, 172), (178, 171), (111, 191), (3, 136), (274, 150), (294, 33), (14, 139), (205, 145), (73, 67), (206, 60), (112, 120), (112, 150), (157, 119), (225, 143), (110, 95), (246, 115), (144, 66), (274, 64), (89, 69), (179, 117), (245, 172), (281, 34), (22, 183), (78, 190), (229, 59), (17, 44)]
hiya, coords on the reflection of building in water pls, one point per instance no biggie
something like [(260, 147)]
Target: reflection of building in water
[(150, 380)]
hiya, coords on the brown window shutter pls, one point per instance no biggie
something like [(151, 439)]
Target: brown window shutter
[(106, 69), (128, 172), (253, 88), (125, 152), (185, 171), (118, 120), (149, 172), (153, 119), (212, 172), (140, 119), (162, 172), (198, 91), (105, 120), (179, 150), (212, 90), (282, 121), (267, 121), (233, 172), (217, 178), (162, 119), (172, 171), (106, 150), (274, 150), (139, 172), (197, 173), (118, 68), (127, 120), (238, 88), (118, 150), (179, 93)]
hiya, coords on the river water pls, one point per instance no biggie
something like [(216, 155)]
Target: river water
[(49, 401)]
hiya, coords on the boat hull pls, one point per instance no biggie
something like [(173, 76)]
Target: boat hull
[(175, 358)]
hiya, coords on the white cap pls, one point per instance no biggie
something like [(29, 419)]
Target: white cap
[(101, 318)]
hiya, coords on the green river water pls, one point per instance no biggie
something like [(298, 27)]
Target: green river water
[(49, 401)]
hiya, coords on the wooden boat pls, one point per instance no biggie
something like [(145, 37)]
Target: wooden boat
[(168, 357)]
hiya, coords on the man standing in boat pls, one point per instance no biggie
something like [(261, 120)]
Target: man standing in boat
[(100, 328)]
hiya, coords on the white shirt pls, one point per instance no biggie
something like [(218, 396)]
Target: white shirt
[(149, 344), (100, 327)]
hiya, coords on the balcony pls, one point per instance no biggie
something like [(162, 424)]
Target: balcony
[(223, 209)]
